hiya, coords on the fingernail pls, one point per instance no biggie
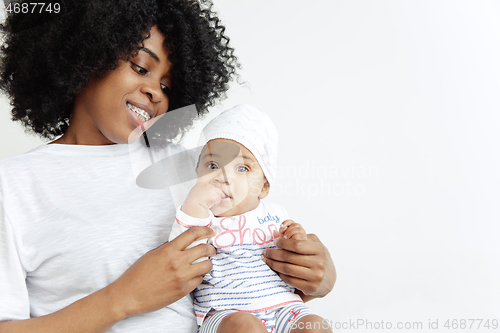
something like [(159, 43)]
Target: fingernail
[(265, 253)]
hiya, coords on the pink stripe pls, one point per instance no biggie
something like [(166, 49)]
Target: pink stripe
[(189, 226), (270, 307), (259, 310)]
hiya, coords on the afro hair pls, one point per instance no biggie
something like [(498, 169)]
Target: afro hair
[(47, 58)]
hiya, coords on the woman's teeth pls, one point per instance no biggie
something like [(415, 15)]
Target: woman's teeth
[(140, 112)]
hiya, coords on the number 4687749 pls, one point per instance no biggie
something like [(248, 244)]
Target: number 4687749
[(456, 324), (33, 7)]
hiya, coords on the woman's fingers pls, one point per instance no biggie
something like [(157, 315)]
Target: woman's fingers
[(307, 287), (308, 278), (199, 269), (194, 253), (288, 269), (306, 265), (165, 274), (188, 237), (276, 257), (200, 251), (300, 247)]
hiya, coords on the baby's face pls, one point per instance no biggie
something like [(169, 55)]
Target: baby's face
[(231, 167)]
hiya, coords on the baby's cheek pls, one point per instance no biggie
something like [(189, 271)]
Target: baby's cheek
[(205, 178), (239, 197), (255, 186)]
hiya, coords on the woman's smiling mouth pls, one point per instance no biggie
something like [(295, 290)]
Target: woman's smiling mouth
[(142, 114)]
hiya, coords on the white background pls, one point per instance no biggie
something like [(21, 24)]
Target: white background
[(388, 114)]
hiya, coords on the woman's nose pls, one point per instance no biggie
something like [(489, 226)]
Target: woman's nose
[(155, 94)]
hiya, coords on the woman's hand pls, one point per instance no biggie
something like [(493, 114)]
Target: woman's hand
[(163, 275), (159, 278), (304, 264)]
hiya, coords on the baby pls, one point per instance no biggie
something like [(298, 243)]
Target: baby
[(236, 169)]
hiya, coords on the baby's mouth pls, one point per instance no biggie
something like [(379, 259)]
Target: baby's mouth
[(143, 115)]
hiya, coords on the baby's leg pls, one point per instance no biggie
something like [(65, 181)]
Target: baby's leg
[(298, 318), (232, 321), (243, 322), (311, 324)]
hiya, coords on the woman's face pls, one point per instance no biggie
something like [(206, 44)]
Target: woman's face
[(109, 108)]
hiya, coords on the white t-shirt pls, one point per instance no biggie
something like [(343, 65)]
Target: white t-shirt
[(72, 220)]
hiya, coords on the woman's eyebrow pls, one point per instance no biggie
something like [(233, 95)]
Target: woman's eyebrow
[(151, 53)]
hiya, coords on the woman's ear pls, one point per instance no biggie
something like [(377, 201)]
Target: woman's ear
[(265, 190)]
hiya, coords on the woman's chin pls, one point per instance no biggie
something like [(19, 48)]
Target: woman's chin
[(140, 126)]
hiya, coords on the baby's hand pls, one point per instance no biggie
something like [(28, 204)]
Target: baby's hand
[(290, 229), (201, 197)]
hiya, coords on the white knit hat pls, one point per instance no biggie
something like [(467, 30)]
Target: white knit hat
[(253, 129)]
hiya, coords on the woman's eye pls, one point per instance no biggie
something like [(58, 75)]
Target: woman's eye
[(139, 69), (166, 90), (242, 169)]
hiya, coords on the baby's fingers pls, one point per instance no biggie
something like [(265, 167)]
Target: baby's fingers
[(295, 231), (284, 225)]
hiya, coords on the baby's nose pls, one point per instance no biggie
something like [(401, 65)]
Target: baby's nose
[(222, 177)]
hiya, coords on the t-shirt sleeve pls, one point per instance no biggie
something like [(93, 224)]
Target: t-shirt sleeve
[(14, 300), (183, 222)]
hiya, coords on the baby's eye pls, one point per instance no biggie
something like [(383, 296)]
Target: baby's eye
[(139, 69), (166, 90), (212, 166), (242, 169)]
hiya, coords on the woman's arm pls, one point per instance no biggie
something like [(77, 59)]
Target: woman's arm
[(159, 278), (97, 312), (304, 264)]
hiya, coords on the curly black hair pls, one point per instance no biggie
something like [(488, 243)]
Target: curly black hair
[(48, 58)]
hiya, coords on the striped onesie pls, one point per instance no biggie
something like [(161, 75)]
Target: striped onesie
[(240, 280)]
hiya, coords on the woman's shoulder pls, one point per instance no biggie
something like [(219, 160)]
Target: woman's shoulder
[(17, 171), (26, 159)]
